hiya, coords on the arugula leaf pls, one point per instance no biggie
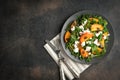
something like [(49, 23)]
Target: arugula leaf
[(94, 48), (88, 25), (68, 28), (88, 59), (80, 57), (105, 29), (100, 37)]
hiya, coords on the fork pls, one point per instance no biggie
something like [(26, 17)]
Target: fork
[(57, 51)]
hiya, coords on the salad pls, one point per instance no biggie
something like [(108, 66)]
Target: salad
[(87, 36)]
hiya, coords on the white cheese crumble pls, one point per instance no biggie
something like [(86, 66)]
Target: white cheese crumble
[(89, 53), (78, 37), (75, 46), (83, 44), (81, 27), (76, 50), (85, 22), (88, 42), (88, 48), (100, 32), (105, 37), (97, 34), (76, 42), (96, 42), (85, 31), (73, 28), (81, 33)]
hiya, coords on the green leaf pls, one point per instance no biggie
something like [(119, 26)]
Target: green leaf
[(68, 27), (105, 29), (100, 37), (88, 59), (94, 48)]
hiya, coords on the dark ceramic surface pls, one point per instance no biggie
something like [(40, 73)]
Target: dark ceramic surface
[(25, 24)]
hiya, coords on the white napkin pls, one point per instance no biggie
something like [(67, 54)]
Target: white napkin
[(76, 67)]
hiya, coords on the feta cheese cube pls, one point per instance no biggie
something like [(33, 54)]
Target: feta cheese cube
[(88, 48), (75, 46), (85, 22), (85, 31), (78, 37), (76, 42), (83, 44), (97, 34), (88, 42), (81, 33), (96, 42), (108, 34), (76, 50), (89, 53), (81, 27), (105, 37), (73, 28)]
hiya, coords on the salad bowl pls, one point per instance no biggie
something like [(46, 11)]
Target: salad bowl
[(77, 58)]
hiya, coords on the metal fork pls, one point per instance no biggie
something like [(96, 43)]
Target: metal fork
[(57, 51)]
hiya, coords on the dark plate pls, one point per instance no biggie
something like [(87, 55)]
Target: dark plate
[(72, 18)]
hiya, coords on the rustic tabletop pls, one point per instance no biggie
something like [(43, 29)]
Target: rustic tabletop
[(25, 24)]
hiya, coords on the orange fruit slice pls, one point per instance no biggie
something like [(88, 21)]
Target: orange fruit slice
[(85, 37), (67, 36), (96, 27), (84, 53)]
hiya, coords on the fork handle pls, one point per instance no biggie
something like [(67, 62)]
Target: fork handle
[(62, 75)]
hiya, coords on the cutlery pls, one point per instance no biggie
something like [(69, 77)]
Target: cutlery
[(62, 75), (61, 58)]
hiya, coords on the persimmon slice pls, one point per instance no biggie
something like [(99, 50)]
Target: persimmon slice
[(96, 27), (84, 53), (102, 42), (95, 19), (85, 37), (67, 36)]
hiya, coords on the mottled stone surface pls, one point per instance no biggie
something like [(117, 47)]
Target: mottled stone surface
[(25, 24)]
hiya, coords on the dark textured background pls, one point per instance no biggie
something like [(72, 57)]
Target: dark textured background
[(25, 24)]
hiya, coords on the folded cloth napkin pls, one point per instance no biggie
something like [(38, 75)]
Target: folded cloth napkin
[(78, 68)]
